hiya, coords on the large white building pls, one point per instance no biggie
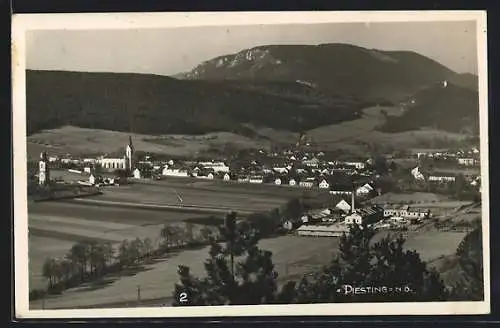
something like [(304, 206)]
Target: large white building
[(119, 163), (216, 166), (171, 172)]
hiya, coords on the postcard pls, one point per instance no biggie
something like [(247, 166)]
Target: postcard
[(250, 164)]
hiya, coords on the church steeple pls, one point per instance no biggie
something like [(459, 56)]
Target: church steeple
[(43, 169), (130, 143), (129, 153)]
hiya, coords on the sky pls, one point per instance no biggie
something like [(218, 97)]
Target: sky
[(170, 51)]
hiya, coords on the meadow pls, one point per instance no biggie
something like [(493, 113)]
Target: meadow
[(351, 136), (84, 141)]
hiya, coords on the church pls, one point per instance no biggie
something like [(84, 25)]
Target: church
[(43, 169), (121, 163)]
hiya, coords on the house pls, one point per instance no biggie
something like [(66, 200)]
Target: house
[(165, 170), (368, 215), (311, 163), (281, 181), (300, 171), (243, 179), (256, 179), (444, 178), (267, 171), (357, 165), (417, 174), (406, 212), (207, 176), (340, 190), (324, 184), (215, 166), (326, 172), (137, 174), (280, 170), (307, 183), (364, 189), (175, 172), (332, 230), (344, 206), (466, 161), (476, 181)]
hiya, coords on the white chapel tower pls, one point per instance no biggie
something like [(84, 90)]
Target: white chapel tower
[(129, 153), (43, 169)]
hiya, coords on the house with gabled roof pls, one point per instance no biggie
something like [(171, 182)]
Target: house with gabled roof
[(364, 189)]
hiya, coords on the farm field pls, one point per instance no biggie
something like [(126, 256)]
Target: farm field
[(82, 141), (293, 256), (459, 170), (165, 194), (55, 226), (351, 135), (430, 244)]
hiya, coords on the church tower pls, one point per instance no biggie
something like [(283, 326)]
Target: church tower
[(43, 169), (129, 154)]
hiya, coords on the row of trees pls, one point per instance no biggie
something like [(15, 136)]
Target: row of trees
[(89, 260), (359, 263)]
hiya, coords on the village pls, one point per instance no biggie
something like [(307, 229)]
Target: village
[(352, 184)]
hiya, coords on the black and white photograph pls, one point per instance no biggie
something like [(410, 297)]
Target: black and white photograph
[(235, 164)]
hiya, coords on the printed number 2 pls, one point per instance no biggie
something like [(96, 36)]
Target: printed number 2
[(183, 297)]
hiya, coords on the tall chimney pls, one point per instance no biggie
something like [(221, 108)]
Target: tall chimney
[(353, 208)]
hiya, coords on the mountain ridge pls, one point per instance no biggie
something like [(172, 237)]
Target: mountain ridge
[(378, 70)]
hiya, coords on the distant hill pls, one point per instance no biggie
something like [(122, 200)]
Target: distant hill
[(332, 68), (151, 104), (451, 108), (282, 88)]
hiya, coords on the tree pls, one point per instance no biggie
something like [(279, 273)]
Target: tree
[(459, 186), (470, 286), (189, 233), (79, 256), (167, 235), (136, 250), (293, 209), (148, 247), (48, 271), (109, 253), (206, 234), (98, 258), (253, 281), (362, 263), (124, 253)]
